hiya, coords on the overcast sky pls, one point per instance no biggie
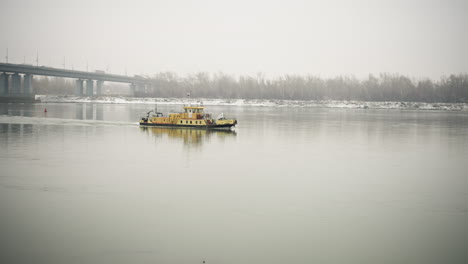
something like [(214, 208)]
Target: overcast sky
[(325, 38)]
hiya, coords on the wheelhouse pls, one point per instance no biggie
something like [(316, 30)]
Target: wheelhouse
[(194, 109)]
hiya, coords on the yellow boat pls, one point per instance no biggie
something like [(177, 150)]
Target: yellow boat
[(192, 117)]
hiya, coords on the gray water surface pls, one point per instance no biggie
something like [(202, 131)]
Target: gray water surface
[(83, 183)]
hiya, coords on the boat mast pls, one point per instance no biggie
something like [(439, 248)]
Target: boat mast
[(188, 98)]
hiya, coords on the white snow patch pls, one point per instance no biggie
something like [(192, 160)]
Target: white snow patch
[(256, 102)]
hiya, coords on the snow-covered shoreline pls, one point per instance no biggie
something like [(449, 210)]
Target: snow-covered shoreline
[(256, 102)]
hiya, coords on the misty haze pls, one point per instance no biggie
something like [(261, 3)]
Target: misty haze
[(233, 131)]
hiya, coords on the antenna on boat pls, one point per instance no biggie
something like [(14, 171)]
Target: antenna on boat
[(188, 97)]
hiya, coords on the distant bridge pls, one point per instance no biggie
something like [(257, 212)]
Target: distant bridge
[(16, 79)]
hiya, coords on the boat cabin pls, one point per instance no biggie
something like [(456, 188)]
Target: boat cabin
[(194, 109), (194, 112)]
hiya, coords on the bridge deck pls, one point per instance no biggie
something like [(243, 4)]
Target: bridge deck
[(49, 71)]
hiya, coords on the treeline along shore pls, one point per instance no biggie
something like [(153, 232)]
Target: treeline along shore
[(384, 87)]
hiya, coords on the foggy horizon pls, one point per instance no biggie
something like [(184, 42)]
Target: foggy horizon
[(418, 39)]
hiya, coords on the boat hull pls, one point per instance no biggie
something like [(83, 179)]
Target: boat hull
[(223, 126)]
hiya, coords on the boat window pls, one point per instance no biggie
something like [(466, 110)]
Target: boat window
[(190, 122)]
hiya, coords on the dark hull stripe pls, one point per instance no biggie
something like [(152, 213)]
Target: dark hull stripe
[(189, 126)]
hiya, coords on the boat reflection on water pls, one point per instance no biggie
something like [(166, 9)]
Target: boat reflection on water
[(190, 137)]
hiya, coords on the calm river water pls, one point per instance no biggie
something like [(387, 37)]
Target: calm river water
[(84, 183)]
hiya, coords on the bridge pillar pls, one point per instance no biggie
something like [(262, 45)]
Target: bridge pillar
[(89, 87), (16, 84), (132, 89), (99, 87), (79, 87), (4, 81), (27, 84)]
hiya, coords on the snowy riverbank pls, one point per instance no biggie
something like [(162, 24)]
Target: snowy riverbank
[(253, 102)]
